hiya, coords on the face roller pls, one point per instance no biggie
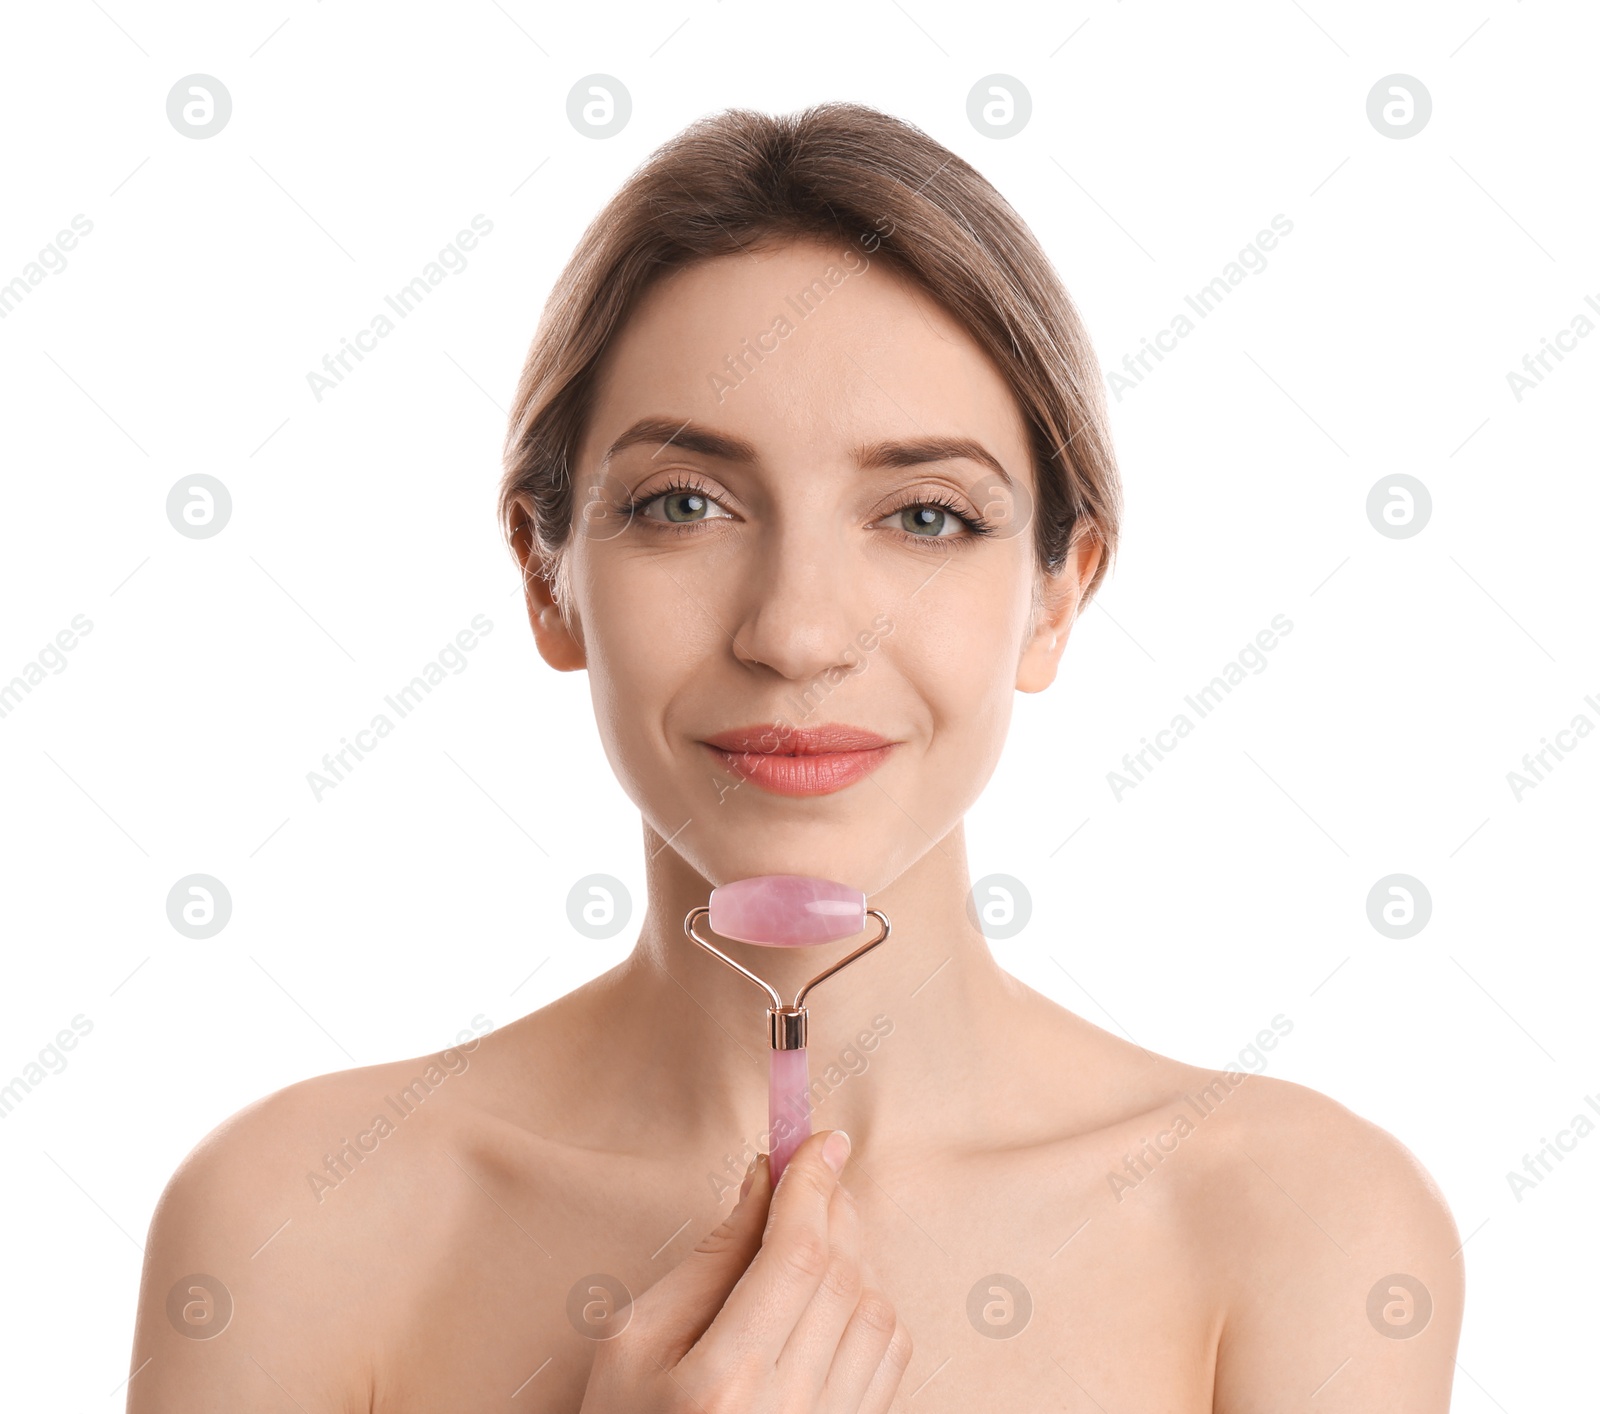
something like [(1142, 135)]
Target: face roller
[(786, 911)]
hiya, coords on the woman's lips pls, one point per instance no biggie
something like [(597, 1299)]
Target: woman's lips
[(819, 774), (786, 761)]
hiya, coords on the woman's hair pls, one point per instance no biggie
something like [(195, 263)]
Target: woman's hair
[(838, 171)]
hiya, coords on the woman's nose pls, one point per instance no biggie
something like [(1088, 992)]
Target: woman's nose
[(802, 602)]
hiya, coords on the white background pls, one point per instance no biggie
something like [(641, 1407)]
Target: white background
[(430, 884)]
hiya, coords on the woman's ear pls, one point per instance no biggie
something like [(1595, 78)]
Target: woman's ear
[(1061, 598), (560, 645)]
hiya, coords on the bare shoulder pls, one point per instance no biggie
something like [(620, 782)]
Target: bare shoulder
[(1340, 1262), (1362, 1172), (272, 1246)]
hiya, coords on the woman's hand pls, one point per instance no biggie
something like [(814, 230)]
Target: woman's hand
[(775, 1310)]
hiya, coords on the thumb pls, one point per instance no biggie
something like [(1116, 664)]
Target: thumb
[(678, 1309)]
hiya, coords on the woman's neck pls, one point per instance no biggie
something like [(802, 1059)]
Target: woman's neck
[(913, 1043)]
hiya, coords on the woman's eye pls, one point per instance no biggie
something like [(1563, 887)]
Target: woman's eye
[(929, 522), (681, 507)]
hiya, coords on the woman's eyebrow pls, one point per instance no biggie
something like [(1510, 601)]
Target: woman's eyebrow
[(690, 436), (930, 449)]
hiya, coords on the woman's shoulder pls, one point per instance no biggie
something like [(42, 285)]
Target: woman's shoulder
[(1289, 1161), (1325, 1250), (1317, 1155), (1235, 1135), (296, 1147), (296, 1128), (287, 1210), (1324, 1235)]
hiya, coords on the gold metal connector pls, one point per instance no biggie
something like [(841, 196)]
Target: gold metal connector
[(786, 1025)]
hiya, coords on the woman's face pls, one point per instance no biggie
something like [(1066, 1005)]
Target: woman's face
[(800, 432)]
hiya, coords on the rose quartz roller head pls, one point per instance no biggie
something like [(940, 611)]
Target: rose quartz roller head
[(786, 911)]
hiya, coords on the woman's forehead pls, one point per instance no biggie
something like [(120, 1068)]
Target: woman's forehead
[(805, 342)]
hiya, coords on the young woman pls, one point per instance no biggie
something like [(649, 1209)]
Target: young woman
[(809, 470)]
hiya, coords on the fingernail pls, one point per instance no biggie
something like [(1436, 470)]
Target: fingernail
[(835, 1150), (749, 1177)]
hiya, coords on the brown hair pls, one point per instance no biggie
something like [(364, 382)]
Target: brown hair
[(838, 170)]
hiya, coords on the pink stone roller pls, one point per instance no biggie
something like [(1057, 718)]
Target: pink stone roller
[(786, 911)]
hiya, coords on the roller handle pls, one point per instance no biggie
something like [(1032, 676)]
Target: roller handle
[(788, 1107)]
